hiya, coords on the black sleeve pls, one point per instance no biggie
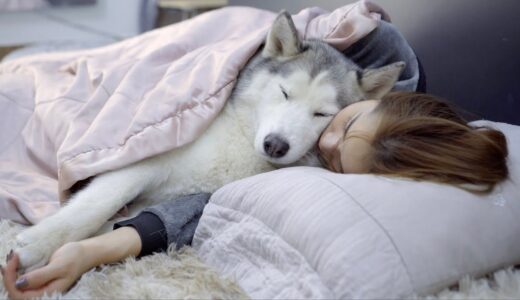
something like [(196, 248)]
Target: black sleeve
[(151, 231), (169, 222)]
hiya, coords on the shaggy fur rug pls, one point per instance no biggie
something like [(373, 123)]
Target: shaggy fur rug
[(177, 275), (172, 275)]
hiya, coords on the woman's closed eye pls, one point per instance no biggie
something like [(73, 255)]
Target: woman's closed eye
[(349, 124)]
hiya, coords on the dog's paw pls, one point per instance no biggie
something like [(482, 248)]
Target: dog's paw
[(32, 257), (33, 251), (25, 238)]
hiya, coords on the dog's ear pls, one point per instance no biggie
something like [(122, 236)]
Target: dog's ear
[(282, 40), (375, 83)]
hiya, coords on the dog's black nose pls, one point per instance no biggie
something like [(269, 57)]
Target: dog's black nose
[(275, 146)]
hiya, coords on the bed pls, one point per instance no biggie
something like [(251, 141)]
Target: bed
[(261, 237)]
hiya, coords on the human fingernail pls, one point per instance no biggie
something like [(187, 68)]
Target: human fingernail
[(9, 255), (21, 283)]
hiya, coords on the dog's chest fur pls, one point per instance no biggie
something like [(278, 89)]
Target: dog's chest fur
[(224, 153)]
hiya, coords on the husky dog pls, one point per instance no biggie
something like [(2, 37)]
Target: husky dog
[(284, 98)]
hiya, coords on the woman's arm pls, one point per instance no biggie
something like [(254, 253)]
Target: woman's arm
[(69, 262), (111, 247), (151, 231)]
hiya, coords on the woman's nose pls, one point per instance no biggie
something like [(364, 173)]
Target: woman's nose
[(328, 142)]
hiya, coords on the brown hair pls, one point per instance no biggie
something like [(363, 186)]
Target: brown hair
[(421, 137)]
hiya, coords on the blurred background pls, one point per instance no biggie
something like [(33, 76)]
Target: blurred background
[(470, 49)]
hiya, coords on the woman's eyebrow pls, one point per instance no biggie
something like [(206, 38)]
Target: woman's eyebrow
[(350, 124)]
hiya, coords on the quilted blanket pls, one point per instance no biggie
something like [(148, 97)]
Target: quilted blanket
[(66, 117)]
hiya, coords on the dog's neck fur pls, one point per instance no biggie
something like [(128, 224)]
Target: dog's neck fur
[(228, 155), (242, 117)]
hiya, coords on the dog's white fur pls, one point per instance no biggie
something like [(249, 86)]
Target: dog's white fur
[(233, 146)]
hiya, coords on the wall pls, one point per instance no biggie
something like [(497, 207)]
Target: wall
[(106, 20), (470, 49)]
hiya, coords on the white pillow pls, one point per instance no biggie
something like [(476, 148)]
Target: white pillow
[(309, 233)]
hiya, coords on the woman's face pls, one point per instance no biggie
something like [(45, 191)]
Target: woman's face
[(345, 143)]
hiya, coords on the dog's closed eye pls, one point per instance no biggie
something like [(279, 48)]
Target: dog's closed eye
[(284, 92), (322, 115)]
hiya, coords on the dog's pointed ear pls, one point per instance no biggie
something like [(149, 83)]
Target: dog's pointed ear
[(375, 83), (282, 40)]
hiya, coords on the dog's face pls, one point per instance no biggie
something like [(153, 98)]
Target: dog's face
[(294, 109), (296, 87)]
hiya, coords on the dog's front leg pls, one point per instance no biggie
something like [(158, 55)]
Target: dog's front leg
[(84, 214)]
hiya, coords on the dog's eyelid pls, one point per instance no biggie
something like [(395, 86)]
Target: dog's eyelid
[(322, 114), (284, 92)]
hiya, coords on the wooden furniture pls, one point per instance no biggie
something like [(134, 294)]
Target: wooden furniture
[(190, 8)]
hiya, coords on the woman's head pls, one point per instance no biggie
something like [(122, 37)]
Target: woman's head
[(416, 136)]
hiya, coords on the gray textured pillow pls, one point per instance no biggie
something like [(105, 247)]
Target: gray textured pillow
[(310, 233)]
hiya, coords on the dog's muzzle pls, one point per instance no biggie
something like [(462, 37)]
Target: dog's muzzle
[(275, 146)]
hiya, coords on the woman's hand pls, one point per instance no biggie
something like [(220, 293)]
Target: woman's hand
[(69, 262), (65, 266)]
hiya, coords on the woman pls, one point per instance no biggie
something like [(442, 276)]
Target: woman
[(416, 136), (410, 135)]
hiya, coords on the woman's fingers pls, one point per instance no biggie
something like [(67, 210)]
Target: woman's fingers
[(32, 284), (9, 272), (9, 275), (58, 285), (38, 278)]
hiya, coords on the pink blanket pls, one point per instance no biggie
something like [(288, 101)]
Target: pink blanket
[(69, 116)]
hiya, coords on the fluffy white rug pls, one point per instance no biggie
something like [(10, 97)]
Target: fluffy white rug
[(170, 275), (176, 275)]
